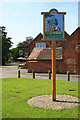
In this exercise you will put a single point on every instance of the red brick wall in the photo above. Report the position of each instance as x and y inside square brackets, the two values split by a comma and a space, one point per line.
[61, 66]
[39, 66]
[78, 64]
[45, 66]
[70, 54]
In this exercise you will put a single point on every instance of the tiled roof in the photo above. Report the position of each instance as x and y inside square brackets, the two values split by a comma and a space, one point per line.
[40, 54]
[44, 54]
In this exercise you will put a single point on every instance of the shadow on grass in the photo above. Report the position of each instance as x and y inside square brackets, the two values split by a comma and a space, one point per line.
[66, 101]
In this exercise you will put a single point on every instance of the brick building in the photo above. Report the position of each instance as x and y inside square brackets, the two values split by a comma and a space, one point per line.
[67, 54]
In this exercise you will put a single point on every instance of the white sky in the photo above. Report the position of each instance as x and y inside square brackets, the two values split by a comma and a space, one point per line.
[23, 19]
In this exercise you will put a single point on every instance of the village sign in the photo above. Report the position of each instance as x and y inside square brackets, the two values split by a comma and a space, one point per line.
[53, 30]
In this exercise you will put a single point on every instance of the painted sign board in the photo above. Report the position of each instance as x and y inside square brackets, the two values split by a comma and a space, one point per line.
[53, 25]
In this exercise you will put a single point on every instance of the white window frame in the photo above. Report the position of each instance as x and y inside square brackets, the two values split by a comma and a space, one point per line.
[40, 45]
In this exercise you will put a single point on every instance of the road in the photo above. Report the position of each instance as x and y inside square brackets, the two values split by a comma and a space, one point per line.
[11, 71]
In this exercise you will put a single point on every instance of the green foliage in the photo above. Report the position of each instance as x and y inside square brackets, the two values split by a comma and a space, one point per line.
[24, 46]
[27, 88]
[6, 44]
[14, 54]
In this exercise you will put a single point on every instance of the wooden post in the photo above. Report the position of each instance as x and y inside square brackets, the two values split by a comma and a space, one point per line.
[53, 70]
[43, 26]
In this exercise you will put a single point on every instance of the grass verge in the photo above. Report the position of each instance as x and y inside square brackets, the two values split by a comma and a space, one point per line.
[21, 89]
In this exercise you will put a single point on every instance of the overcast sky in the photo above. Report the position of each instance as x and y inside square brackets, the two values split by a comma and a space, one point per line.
[24, 19]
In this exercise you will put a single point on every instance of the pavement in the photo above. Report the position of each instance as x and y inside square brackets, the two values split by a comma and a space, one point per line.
[62, 101]
[11, 71]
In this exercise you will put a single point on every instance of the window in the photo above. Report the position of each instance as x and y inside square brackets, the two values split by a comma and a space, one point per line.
[36, 45]
[44, 45]
[41, 45]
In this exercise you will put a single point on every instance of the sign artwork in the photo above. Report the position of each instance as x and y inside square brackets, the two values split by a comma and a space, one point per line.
[53, 25]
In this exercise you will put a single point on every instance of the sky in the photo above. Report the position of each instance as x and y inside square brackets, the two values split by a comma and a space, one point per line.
[24, 19]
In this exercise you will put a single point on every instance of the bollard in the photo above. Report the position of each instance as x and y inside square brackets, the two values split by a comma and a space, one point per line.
[68, 76]
[33, 74]
[49, 72]
[18, 73]
[25, 66]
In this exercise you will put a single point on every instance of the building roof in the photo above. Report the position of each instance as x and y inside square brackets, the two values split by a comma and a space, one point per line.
[44, 54]
[39, 35]
[40, 54]
[77, 30]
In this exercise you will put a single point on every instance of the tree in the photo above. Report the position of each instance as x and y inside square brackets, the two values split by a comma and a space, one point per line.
[24, 46]
[6, 44]
[14, 54]
[29, 39]
[26, 42]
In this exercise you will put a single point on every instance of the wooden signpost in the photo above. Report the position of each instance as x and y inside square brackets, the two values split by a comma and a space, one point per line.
[53, 30]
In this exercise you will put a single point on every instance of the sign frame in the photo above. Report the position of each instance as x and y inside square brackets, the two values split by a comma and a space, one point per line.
[44, 13]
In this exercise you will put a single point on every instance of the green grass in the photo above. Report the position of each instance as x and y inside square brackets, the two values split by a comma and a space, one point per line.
[18, 107]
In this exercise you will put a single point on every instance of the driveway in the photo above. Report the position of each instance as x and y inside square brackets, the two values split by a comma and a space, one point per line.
[11, 71]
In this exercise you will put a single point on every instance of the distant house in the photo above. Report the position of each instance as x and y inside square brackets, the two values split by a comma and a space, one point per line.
[67, 54]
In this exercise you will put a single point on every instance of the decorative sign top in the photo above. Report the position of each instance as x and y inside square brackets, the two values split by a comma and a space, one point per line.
[53, 25]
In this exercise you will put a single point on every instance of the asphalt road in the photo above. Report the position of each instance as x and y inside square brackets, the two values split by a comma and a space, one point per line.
[11, 71]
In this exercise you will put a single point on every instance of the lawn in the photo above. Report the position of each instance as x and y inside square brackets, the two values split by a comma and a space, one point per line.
[24, 88]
